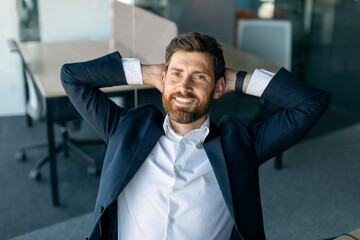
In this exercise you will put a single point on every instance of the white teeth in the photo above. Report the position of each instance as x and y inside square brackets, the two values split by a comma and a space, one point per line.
[183, 100]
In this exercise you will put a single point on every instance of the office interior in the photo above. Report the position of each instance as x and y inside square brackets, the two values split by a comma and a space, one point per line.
[314, 195]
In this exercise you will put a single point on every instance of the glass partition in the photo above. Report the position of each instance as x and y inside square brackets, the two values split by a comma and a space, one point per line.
[27, 11]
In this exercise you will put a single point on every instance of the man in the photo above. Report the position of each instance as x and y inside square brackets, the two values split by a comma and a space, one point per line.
[182, 176]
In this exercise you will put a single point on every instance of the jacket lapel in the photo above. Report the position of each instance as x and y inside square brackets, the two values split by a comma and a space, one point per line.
[212, 146]
[148, 142]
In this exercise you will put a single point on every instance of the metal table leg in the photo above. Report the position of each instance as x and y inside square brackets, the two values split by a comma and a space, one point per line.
[52, 156]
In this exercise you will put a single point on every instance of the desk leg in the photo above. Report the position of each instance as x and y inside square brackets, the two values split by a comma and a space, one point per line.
[52, 157]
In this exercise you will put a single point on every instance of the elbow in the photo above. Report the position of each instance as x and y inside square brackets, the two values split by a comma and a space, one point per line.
[320, 104]
[63, 73]
[69, 75]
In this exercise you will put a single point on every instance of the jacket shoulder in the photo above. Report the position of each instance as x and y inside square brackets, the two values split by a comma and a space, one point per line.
[145, 111]
[230, 123]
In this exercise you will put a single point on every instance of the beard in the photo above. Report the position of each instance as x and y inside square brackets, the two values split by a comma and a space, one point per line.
[184, 115]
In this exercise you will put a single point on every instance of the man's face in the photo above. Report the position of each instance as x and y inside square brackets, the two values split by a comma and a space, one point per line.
[188, 86]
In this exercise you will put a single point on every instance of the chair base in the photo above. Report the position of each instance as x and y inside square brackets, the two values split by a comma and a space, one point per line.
[65, 146]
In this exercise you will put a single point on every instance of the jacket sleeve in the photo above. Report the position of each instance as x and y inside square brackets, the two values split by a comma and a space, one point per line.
[82, 81]
[303, 106]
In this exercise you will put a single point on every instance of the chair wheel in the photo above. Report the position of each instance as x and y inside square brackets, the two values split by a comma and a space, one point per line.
[20, 156]
[35, 174]
[93, 170]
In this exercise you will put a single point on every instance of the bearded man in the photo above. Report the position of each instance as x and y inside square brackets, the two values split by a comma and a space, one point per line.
[182, 176]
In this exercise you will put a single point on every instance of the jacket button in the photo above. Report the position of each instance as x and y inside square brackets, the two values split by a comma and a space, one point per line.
[101, 209]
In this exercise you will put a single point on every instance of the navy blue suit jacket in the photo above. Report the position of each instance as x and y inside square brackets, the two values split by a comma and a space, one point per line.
[234, 150]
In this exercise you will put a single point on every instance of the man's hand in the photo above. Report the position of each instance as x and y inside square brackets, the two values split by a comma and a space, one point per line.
[230, 78]
[152, 75]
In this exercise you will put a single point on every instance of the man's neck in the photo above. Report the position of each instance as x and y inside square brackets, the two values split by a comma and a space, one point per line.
[184, 129]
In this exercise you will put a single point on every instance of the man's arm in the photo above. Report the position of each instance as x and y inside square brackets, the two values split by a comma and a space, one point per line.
[81, 82]
[303, 105]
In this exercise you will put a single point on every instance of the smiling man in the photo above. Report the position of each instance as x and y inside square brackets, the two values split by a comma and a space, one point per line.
[188, 88]
[181, 176]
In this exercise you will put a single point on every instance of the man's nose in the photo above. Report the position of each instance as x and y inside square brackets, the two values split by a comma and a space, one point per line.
[186, 84]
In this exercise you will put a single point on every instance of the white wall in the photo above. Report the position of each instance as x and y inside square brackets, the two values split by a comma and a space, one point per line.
[74, 20]
[11, 85]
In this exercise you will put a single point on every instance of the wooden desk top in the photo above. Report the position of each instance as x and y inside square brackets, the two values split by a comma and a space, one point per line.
[45, 61]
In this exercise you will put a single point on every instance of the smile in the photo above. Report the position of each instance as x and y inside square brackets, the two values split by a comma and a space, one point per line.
[184, 100]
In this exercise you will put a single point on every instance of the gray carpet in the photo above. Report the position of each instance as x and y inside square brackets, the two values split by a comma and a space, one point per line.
[73, 229]
[25, 205]
[317, 194]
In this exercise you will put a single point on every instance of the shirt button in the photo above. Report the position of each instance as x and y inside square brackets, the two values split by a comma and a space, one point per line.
[179, 166]
[175, 189]
[171, 220]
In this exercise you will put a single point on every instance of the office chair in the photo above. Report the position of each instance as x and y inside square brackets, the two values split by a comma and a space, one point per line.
[270, 40]
[266, 39]
[67, 118]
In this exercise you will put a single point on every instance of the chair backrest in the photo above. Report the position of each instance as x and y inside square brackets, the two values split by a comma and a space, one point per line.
[35, 105]
[62, 109]
[149, 33]
[267, 39]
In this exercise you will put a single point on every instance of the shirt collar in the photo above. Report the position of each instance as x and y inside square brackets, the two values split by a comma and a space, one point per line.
[197, 135]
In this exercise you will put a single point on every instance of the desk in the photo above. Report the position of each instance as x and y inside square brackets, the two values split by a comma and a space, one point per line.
[44, 60]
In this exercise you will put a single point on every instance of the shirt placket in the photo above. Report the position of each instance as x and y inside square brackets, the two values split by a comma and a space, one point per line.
[176, 188]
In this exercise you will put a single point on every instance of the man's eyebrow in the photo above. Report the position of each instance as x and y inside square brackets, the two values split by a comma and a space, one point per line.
[176, 69]
[181, 70]
[200, 72]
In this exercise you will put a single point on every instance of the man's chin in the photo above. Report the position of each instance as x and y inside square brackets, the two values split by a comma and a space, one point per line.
[184, 118]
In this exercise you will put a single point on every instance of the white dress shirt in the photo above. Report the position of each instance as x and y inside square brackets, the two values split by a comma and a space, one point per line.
[175, 194]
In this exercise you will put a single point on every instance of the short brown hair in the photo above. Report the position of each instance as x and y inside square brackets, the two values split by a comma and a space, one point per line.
[198, 42]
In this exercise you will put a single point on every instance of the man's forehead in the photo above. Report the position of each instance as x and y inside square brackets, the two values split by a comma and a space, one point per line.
[199, 61]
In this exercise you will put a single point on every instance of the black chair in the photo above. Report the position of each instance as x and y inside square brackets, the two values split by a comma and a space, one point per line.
[64, 115]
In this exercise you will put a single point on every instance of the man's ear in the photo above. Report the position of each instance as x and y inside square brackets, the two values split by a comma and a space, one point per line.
[163, 79]
[219, 88]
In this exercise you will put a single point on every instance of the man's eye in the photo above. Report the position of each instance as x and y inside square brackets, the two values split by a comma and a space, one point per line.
[176, 74]
[199, 77]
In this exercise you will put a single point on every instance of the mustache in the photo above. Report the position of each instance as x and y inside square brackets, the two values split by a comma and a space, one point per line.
[180, 95]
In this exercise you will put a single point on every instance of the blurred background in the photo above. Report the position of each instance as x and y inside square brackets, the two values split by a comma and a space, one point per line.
[316, 193]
